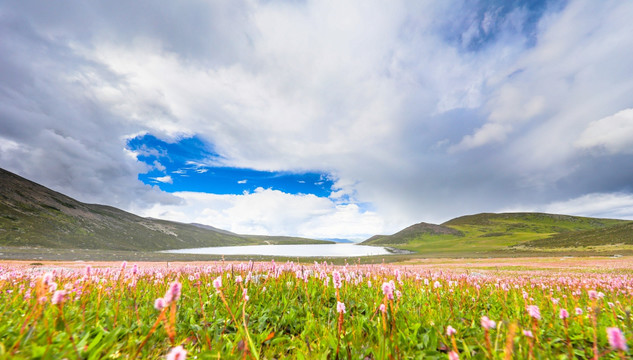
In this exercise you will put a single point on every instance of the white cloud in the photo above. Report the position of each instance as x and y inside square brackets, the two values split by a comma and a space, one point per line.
[242, 181]
[164, 179]
[613, 133]
[272, 212]
[611, 205]
[158, 166]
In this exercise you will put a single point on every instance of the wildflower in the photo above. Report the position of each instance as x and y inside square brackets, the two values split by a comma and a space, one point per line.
[340, 307]
[593, 294]
[238, 279]
[528, 333]
[564, 314]
[383, 308]
[58, 297]
[336, 279]
[534, 312]
[578, 311]
[173, 293]
[177, 353]
[387, 289]
[616, 339]
[160, 304]
[245, 295]
[488, 324]
[453, 355]
[217, 283]
[437, 285]
[450, 331]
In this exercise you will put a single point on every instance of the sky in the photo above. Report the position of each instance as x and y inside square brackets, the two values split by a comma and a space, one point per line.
[323, 119]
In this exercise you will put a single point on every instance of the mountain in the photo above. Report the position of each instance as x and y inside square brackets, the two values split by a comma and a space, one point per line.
[34, 216]
[412, 233]
[487, 232]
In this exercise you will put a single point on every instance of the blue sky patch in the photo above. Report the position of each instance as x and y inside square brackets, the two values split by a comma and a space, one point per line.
[181, 166]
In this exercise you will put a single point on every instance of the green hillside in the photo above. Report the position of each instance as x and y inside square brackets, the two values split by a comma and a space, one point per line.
[34, 216]
[488, 232]
[617, 235]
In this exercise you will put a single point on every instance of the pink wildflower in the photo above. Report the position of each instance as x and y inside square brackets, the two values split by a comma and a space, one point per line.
[177, 353]
[336, 279]
[534, 312]
[528, 333]
[453, 355]
[616, 339]
[58, 297]
[173, 293]
[488, 324]
[217, 283]
[578, 311]
[340, 307]
[160, 304]
[387, 289]
[564, 314]
[593, 294]
[450, 331]
[383, 308]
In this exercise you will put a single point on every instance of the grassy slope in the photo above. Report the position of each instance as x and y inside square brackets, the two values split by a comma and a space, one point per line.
[32, 215]
[621, 234]
[483, 233]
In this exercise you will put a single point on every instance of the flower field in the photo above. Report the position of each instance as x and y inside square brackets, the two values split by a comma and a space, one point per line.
[312, 311]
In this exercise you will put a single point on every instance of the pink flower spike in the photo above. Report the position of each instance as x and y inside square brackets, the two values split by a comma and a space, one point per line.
[578, 311]
[528, 333]
[177, 353]
[340, 307]
[173, 293]
[453, 355]
[159, 304]
[450, 331]
[564, 314]
[488, 324]
[593, 294]
[217, 283]
[616, 339]
[534, 312]
[383, 308]
[58, 297]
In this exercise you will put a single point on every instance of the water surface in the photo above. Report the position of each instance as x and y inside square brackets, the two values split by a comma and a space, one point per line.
[311, 250]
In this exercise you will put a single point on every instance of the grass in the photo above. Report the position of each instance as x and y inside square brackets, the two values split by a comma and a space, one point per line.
[292, 310]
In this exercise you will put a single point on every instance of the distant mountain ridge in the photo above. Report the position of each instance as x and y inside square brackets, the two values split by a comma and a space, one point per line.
[35, 216]
[487, 232]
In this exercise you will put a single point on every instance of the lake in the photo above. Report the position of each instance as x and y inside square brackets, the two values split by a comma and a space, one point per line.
[311, 250]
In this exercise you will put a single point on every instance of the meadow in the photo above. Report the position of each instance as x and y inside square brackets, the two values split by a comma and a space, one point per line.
[268, 310]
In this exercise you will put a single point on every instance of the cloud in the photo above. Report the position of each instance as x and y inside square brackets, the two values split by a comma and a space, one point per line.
[418, 110]
[164, 179]
[272, 212]
[611, 205]
[242, 181]
[613, 133]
